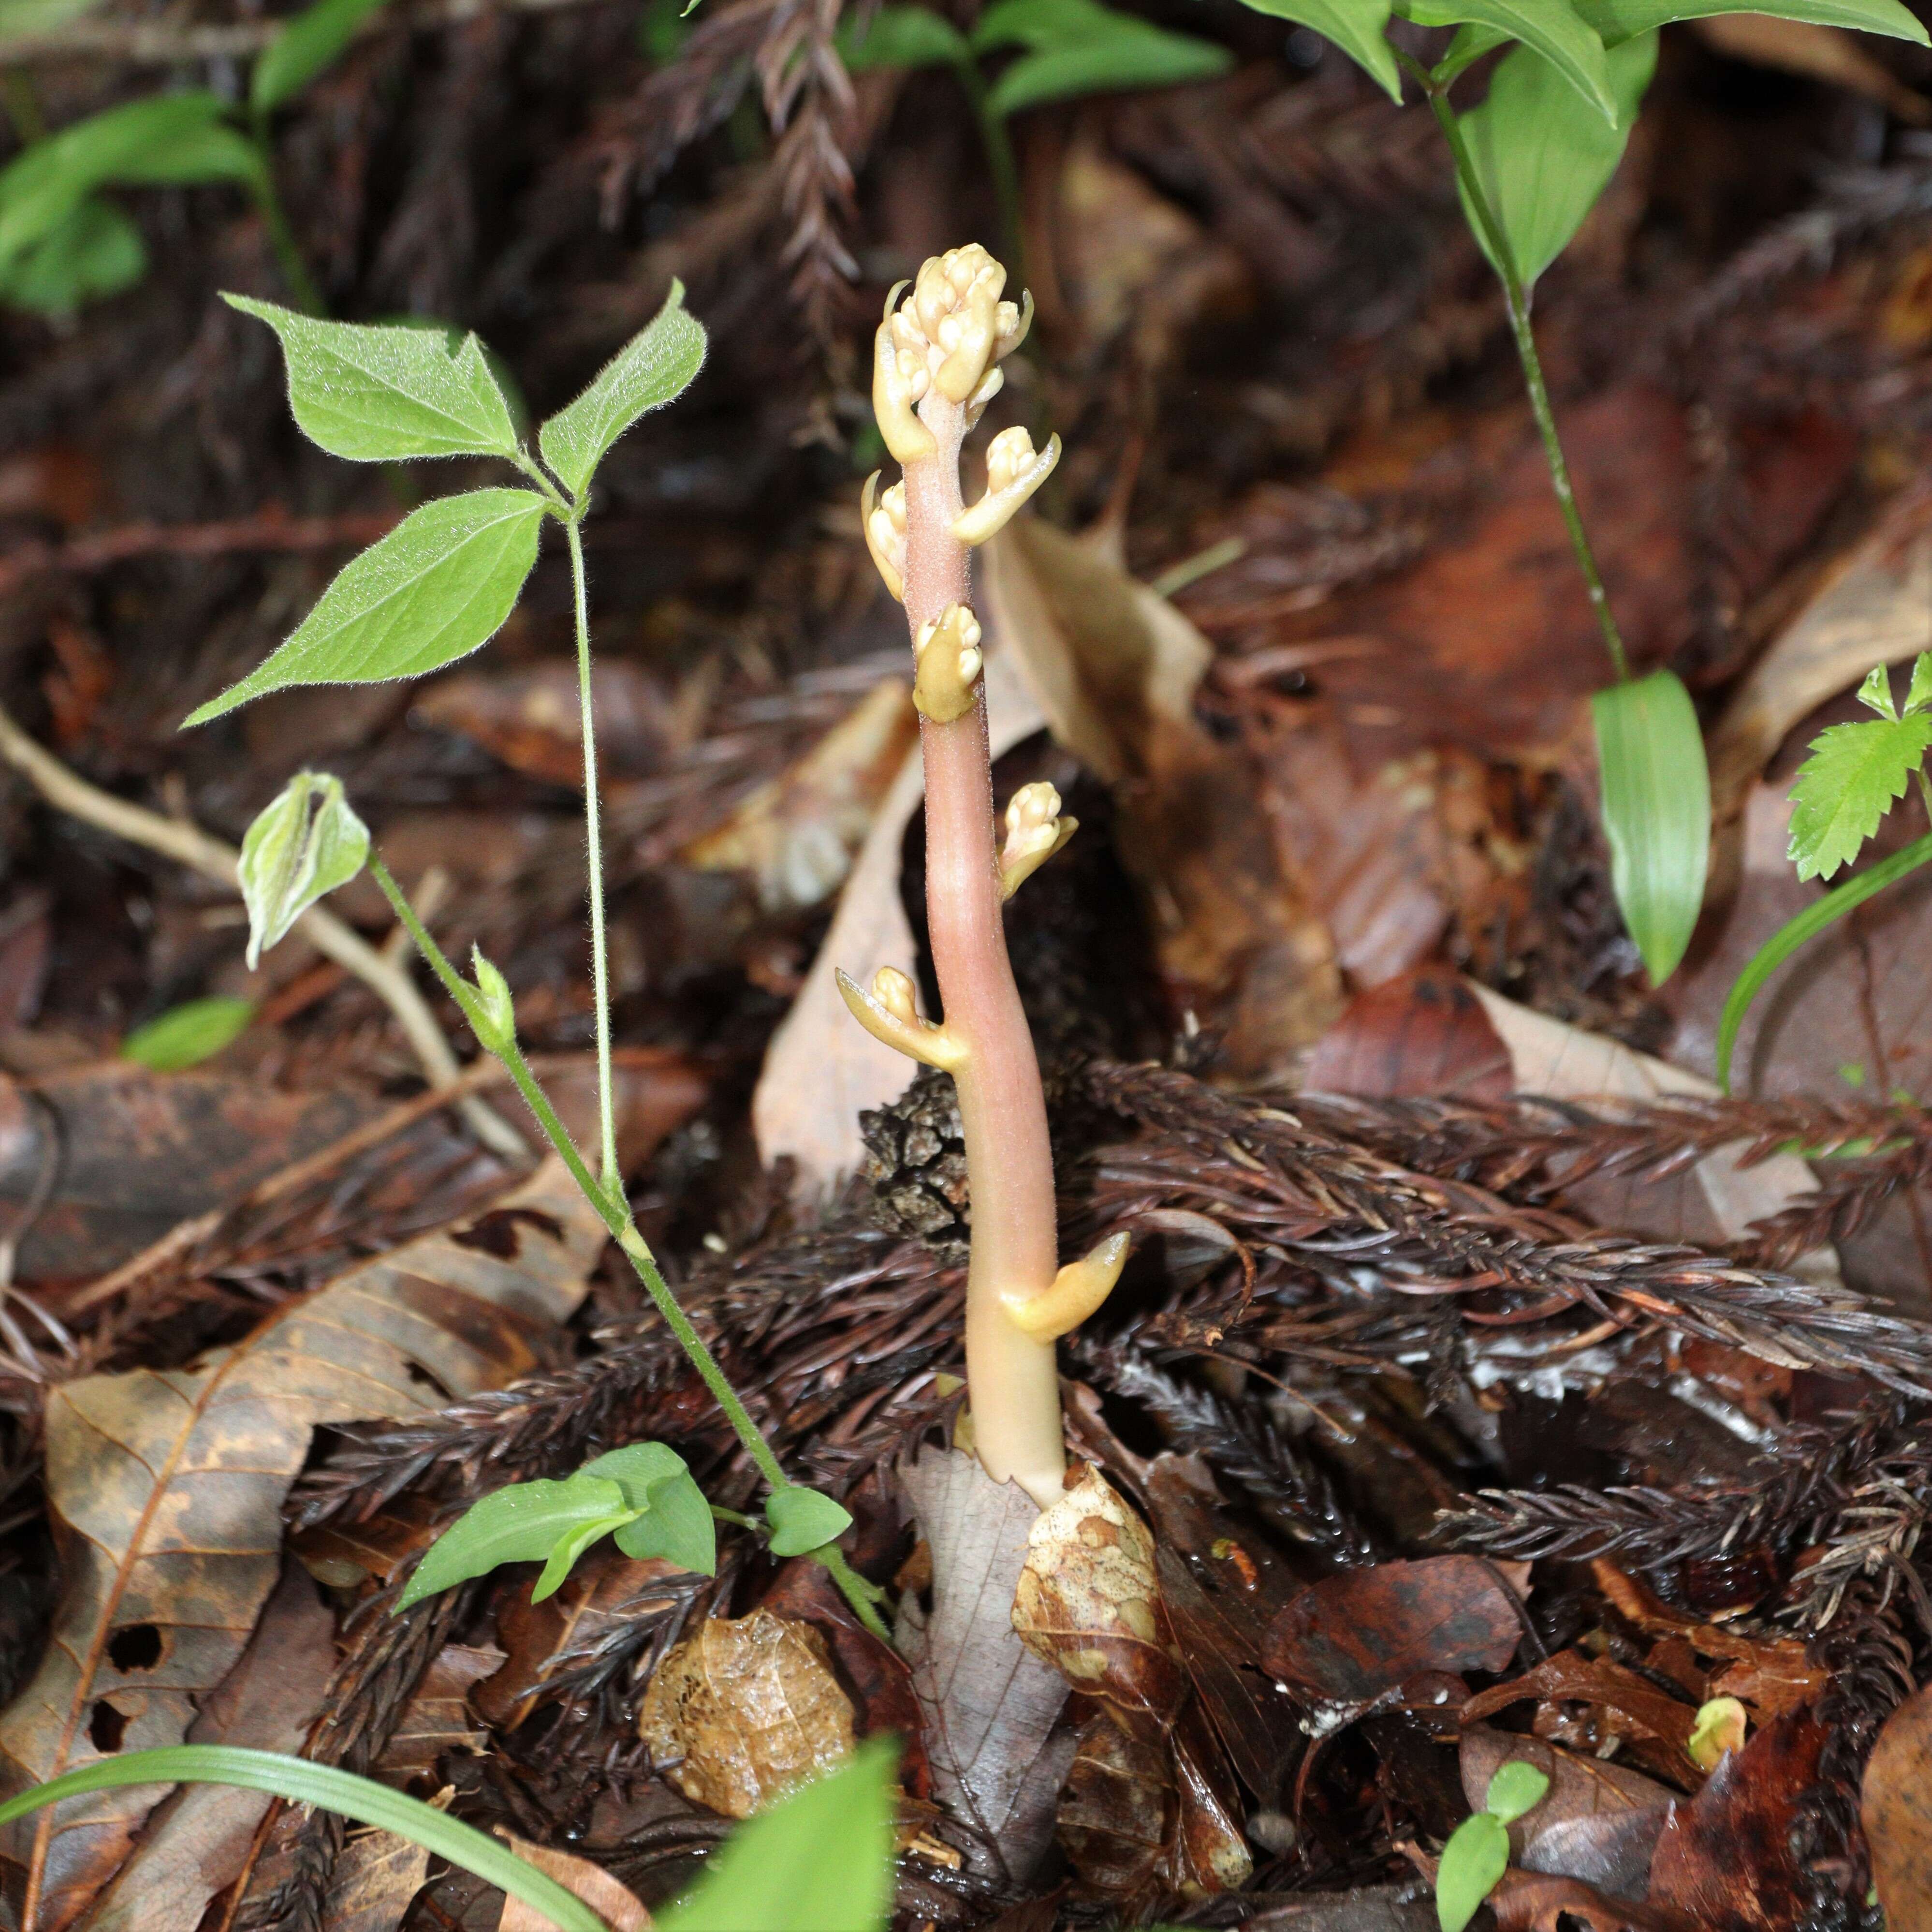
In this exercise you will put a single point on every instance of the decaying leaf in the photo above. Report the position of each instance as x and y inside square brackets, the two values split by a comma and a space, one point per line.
[1570, 1677]
[1532, 1902]
[1117, 1812]
[437, 1718]
[1896, 1811]
[1089, 1603]
[166, 1487]
[611, 1899]
[745, 1709]
[376, 1877]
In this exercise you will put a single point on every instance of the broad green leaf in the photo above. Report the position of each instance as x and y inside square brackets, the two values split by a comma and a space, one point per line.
[1517, 1788]
[678, 1526]
[521, 1523]
[1039, 23]
[1146, 56]
[301, 847]
[1476, 1856]
[570, 1546]
[1618, 20]
[187, 1035]
[208, 152]
[94, 252]
[904, 37]
[438, 586]
[818, 1861]
[1543, 156]
[1358, 27]
[1656, 812]
[637, 1469]
[378, 394]
[313, 41]
[1552, 27]
[1854, 775]
[41, 188]
[1795, 932]
[803, 1519]
[656, 366]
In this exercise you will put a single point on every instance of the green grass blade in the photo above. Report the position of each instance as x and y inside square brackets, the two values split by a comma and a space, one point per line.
[1795, 931]
[302, 1783]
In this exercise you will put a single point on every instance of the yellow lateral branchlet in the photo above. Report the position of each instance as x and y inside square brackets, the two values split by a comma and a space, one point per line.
[890, 1013]
[1078, 1290]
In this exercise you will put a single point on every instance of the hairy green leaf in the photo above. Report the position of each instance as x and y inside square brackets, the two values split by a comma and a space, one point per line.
[314, 40]
[1552, 27]
[1358, 27]
[1542, 155]
[93, 252]
[1796, 931]
[1851, 780]
[1476, 1856]
[301, 1782]
[300, 847]
[379, 394]
[903, 37]
[1656, 812]
[821, 1860]
[675, 1522]
[187, 1035]
[522, 1523]
[1517, 1788]
[1618, 20]
[656, 366]
[803, 1519]
[438, 586]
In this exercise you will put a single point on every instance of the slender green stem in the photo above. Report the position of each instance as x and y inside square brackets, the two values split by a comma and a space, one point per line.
[281, 235]
[1517, 298]
[863, 1597]
[1924, 792]
[593, 840]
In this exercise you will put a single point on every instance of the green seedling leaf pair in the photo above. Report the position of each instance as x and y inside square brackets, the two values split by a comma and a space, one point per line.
[644, 1495]
[440, 585]
[1477, 1853]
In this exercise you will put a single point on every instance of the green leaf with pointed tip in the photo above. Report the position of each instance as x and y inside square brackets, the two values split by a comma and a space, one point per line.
[438, 586]
[378, 394]
[1875, 693]
[1120, 62]
[904, 38]
[1854, 775]
[1358, 27]
[1920, 693]
[1618, 20]
[314, 40]
[1476, 1856]
[94, 252]
[521, 1523]
[187, 1035]
[1656, 812]
[656, 366]
[212, 150]
[300, 847]
[804, 1519]
[1517, 1788]
[1553, 27]
[570, 1546]
[1542, 155]
[819, 1860]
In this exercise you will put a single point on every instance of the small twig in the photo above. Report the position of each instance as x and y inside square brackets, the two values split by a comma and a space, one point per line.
[272, 530]
[190, 845]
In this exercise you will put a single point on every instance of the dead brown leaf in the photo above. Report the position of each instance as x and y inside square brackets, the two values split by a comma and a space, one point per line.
[1533, 1902]
[437, 1717]
[1117, 1811]
[375, 1879]
[530, 717]
[612, 1901]
[743, 1709]
[1570, 1677]
[1896, 1811]
[1422, 1032]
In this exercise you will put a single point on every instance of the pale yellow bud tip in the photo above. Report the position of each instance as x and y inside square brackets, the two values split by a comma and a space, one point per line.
[949, 659]
[890, 1013]
[883, 518]
[1014, 471]
[1035, 831]
[1078, 1290]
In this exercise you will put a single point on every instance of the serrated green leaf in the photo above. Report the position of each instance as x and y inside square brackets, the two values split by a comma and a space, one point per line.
[804, 1519]
[656, 366]
[1796, 931]
[1358, 27]
[300, 847]
[1656, 812]
[1117, 65]
[570, 1546]
[438, 586]
[379, 394]
[1542, 155]
[678, 1527]
[187, 1035]
[1616, 20]
[818, 1861]
[1517, 1788]
[94, 252]
[904, 37]
[1553, 27]
[1920, 693]
[313, 41]
[522, 1523]
[1855, 774]
[1476, 1856]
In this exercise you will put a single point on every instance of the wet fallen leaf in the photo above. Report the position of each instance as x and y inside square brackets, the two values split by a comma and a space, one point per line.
[1210, 1852]
[1571, 1676]
[376, 1878]
[611, 1899]
[1117, 1812]
[146, 1468]
[437, 1717]
[1580, 1788]
[1895, 1810]
[745, 1709]
[1726, 1860]
[1348, 1638]
[1422, 1032]
[1532, 1902]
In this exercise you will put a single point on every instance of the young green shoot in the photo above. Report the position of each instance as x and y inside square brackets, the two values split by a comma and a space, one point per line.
[1476, 1855]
